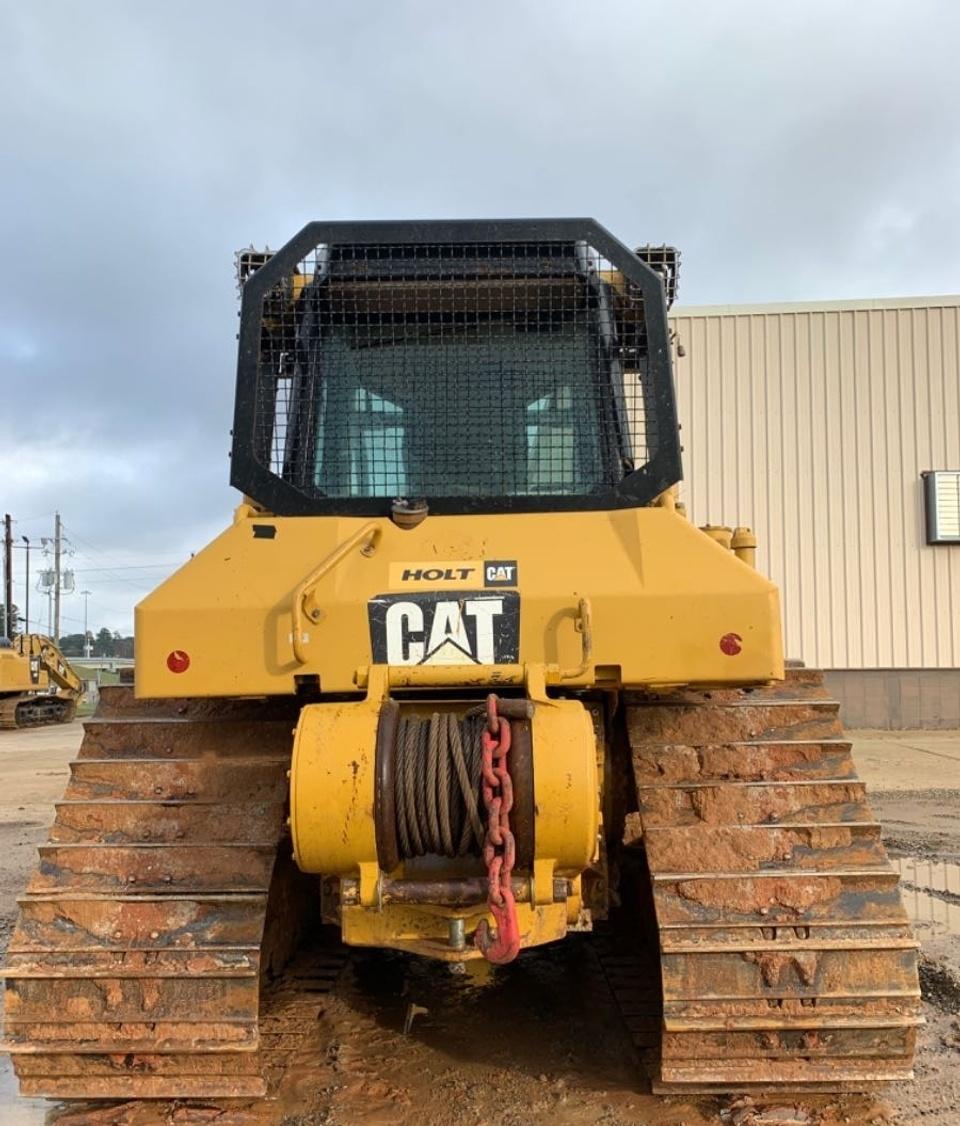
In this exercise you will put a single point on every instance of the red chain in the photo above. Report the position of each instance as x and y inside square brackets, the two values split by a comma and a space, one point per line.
[499, 846]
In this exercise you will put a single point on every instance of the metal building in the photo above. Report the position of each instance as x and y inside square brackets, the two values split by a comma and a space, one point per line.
[815, 424]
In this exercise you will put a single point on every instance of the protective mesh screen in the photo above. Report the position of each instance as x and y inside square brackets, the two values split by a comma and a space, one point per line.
[453, 370]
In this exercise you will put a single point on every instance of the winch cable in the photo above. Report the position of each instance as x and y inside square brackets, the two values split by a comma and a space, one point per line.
[438, 779]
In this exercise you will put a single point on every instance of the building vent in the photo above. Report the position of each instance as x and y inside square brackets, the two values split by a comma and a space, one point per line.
[941, 490]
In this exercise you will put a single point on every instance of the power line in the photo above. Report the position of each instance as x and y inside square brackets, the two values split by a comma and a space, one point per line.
[124, 567]
[137, 578]
[70, 618]
[94, 553]
[99, 551]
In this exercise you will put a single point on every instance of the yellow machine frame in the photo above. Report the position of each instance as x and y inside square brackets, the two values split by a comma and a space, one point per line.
[34, 664]
[608, 601]
[253, 612]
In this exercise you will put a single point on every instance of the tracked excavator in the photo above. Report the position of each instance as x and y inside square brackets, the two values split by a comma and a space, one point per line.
[463, 653]
[38, 685]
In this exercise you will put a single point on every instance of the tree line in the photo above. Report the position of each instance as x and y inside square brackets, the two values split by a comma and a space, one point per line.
[103, 643]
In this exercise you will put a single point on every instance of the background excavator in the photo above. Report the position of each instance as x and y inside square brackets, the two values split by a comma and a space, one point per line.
[38, 685]
[527, 695]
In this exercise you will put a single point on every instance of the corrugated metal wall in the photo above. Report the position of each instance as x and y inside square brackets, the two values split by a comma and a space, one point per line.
[812, 424]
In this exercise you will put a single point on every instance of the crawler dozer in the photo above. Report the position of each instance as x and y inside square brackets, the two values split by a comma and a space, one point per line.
[38, 685]
[462, 652]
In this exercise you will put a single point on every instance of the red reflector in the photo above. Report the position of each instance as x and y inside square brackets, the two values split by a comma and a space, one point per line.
[178, 661]
[730, 644]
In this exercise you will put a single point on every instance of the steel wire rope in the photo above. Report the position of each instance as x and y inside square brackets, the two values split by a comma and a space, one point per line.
[437, 781]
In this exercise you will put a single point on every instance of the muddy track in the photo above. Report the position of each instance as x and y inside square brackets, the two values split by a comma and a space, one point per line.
[136, 963]
[352, 1062]
[786, 956]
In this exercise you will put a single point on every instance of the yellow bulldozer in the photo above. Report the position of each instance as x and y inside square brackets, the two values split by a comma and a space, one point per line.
[38, 685]
[463, 654]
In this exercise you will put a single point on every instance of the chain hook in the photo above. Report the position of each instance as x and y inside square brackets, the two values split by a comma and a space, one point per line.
[505, 945]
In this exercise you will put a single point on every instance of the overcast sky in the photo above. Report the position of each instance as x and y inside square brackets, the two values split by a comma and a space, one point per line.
[793, 150]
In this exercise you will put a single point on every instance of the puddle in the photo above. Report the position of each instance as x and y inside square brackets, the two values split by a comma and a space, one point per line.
[931, 893]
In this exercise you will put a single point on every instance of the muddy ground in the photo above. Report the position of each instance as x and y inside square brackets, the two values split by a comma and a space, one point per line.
[540, 1041]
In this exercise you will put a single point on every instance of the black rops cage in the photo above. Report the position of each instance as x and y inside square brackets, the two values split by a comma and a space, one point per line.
[516, 366]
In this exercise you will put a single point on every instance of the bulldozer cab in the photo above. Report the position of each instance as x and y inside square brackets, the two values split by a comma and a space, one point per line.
[511, 366]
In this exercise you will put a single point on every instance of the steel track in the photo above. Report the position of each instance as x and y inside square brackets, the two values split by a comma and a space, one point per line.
[136, 966]
[786, 956]
[35, 710]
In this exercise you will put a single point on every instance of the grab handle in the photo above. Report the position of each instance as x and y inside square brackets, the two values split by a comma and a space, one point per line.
[367, 536]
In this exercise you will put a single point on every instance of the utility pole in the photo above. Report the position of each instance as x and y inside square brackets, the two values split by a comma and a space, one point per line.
[57, 534]
[26, 606]
[86, 632]
[8, 575]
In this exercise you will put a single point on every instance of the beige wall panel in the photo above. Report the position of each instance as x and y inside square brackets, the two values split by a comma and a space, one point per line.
[812, 424]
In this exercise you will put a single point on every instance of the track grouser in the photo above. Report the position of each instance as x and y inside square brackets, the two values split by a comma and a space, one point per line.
[526, 695]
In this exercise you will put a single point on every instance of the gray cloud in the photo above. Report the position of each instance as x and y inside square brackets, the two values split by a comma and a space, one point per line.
[796, 150]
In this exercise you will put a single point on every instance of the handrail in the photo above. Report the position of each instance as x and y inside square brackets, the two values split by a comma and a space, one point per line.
[585, 628]
[370, 532]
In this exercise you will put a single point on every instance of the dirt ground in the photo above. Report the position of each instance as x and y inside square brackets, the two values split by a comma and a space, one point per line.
[542, 1040]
